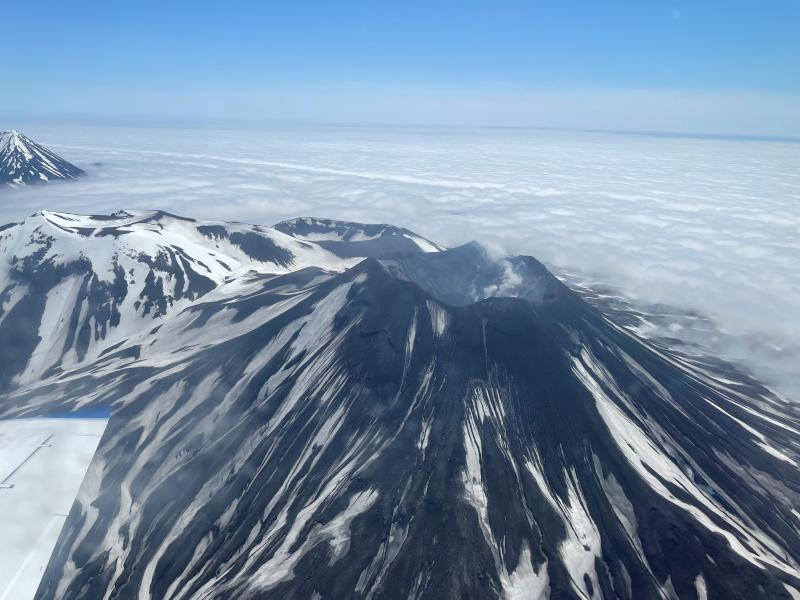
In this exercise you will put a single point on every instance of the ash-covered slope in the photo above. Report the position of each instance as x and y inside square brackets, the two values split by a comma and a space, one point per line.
[351, 433]
[24, 162]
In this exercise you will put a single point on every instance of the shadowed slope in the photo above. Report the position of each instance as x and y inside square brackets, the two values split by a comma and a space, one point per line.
[375, 432]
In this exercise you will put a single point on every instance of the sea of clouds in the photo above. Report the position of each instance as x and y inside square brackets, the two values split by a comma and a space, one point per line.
[709, 225]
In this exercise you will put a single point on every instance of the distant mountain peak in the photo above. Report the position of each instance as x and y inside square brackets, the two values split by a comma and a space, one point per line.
[24, 162]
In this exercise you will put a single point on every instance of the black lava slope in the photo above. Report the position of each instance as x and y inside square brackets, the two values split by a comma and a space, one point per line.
[428, 425]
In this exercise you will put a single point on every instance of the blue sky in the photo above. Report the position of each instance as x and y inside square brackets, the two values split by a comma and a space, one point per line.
[701, 66]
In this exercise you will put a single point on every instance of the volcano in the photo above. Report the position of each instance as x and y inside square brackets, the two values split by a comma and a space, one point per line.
[24, 162]
[331, 410]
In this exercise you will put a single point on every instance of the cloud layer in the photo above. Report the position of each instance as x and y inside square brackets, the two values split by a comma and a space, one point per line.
[709, 225]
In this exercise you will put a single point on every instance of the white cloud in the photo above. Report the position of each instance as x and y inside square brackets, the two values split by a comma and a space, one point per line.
[711, 225]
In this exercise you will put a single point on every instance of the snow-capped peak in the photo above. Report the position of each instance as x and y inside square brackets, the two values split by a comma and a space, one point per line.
[24, 162]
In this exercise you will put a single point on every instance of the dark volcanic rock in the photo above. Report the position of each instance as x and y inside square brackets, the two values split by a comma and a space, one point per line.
[431, 425]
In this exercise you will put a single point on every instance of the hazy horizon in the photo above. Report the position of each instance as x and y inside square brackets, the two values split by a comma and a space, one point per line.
[719, 68]
[20, 123]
